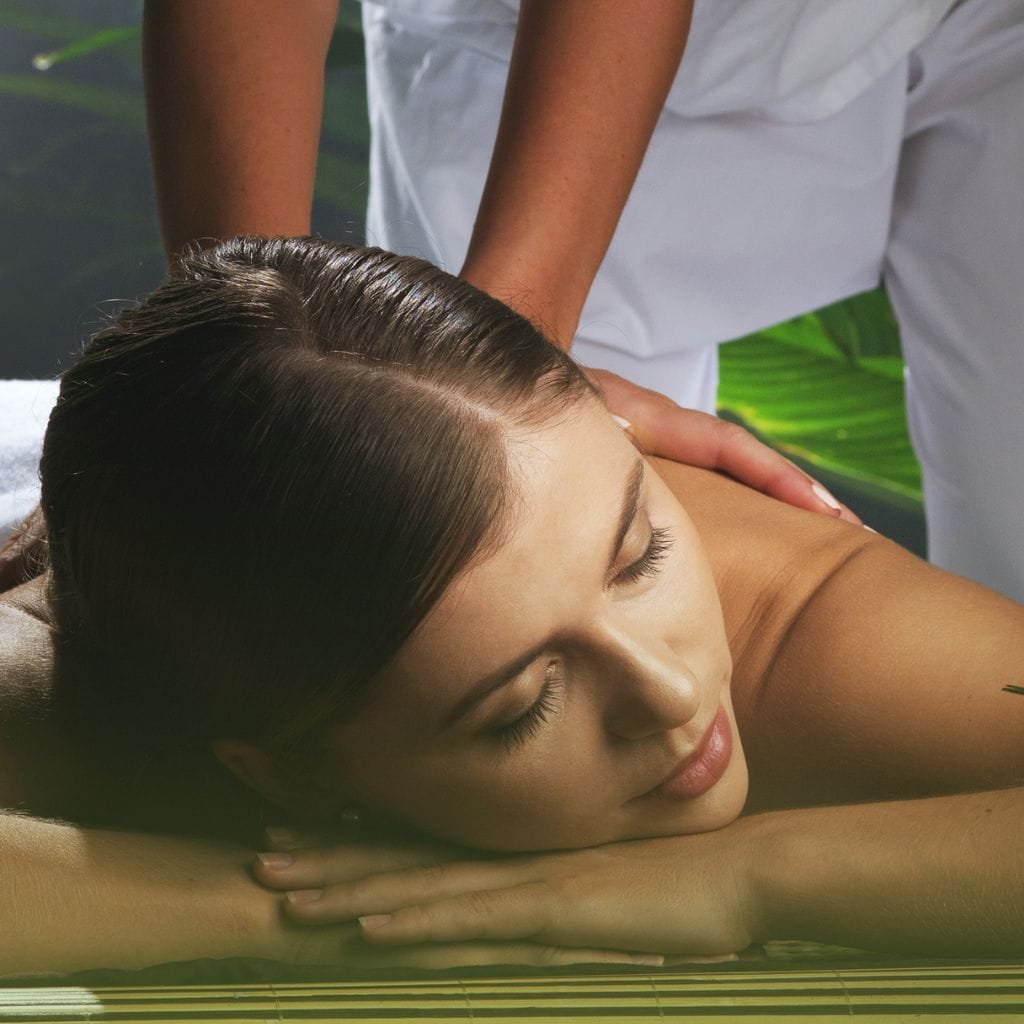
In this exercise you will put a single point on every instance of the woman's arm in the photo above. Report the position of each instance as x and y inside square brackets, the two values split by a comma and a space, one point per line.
[941, 876]
[78, 898]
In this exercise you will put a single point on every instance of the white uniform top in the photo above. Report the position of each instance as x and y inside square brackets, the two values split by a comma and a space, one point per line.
[765, 192]
[785, 59]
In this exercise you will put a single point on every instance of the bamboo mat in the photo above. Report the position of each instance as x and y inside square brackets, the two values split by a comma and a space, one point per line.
[795, 983]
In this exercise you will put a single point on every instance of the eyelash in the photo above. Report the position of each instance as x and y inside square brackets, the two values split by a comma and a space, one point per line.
[650, 561]
[528, 724]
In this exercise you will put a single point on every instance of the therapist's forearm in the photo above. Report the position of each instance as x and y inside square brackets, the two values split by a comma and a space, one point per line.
[234, 93]
[586, 85]
[942, 876]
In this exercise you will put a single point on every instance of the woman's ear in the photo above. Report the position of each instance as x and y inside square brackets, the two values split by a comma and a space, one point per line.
[280, 783]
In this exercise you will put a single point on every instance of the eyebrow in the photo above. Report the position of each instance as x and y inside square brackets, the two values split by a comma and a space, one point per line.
[501, 676]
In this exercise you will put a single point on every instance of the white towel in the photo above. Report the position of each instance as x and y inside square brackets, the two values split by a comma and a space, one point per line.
[24, 409]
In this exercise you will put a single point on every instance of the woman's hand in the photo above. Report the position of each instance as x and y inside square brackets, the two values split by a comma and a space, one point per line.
[685, 895]
[343, 944]
[661, 427]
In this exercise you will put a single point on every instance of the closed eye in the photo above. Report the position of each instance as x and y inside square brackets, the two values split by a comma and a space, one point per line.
[650, 561]
[527, 724]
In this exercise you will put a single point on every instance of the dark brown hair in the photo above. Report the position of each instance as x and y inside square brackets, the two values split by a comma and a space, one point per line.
[257, 482]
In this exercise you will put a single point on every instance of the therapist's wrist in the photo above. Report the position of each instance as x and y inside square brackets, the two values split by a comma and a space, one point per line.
[551, 304]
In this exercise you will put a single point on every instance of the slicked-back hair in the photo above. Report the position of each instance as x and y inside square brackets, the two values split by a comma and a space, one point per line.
[258, 481]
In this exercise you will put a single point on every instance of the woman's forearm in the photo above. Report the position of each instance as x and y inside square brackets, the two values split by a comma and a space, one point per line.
[941, 876]
[234, 93]
[77, 898]
[586, 85]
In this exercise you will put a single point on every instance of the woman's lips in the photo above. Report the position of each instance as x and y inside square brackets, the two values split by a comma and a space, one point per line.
[702, 769]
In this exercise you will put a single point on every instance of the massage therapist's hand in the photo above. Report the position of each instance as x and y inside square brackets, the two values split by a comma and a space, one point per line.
[661, 427]
[686, 895]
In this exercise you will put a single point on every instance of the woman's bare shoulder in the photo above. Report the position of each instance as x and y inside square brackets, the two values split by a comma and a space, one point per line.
[768, 559]
[862, 672]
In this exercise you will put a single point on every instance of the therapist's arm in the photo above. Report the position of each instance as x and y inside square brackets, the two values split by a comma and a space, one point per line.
[586, 85]
[234, 93]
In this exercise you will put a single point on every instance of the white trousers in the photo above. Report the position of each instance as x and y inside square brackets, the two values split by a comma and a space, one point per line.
[738, 221]
[954, 270]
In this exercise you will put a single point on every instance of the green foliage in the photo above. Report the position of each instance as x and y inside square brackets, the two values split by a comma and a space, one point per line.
[828, 387]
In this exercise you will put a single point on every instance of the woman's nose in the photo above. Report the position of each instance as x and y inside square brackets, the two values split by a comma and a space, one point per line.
[650, 687]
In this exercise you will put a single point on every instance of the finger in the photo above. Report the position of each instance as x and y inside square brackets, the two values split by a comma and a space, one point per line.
[700, 439]
[661, 427]
[514, 913]
[394, 891]
[317, 867]
[492, 954]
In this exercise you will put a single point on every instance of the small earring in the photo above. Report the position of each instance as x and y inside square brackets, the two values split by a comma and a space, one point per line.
[350, 816]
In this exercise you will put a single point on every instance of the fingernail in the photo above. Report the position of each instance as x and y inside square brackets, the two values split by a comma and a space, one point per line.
[866, 527]
[304, 895]
[275, 860]
[371, 921]
[625, 424]
[648, 960]
[827, 498]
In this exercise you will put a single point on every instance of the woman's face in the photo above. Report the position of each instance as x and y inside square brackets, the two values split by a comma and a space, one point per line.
[552, 696]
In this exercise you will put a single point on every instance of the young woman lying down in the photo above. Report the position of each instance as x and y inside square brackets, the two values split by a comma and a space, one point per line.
[333, 533]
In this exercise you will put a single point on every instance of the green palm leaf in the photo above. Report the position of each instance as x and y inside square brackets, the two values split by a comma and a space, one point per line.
[827, 388]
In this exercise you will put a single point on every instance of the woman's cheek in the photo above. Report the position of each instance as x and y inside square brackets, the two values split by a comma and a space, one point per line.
[534, 798]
